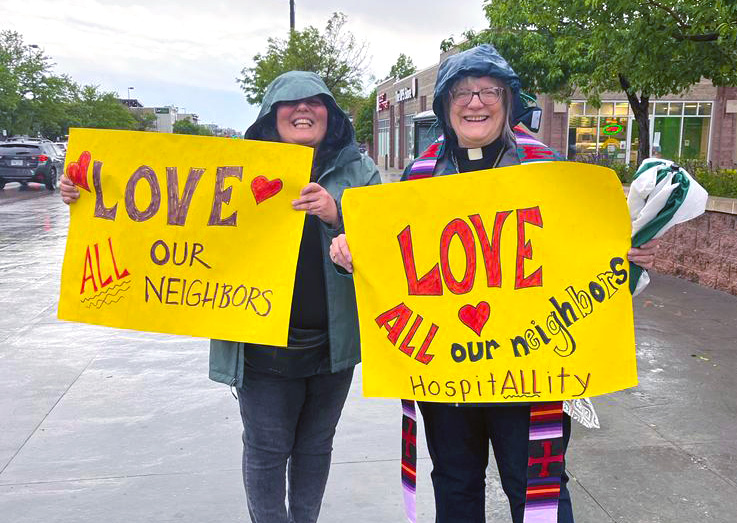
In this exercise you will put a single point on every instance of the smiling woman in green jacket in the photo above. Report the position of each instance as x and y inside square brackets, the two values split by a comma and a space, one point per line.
[291, 398]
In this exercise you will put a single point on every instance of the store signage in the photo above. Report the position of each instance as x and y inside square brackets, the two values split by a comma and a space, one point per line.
[161, 110]
[612, 129]
[382, 102]
[407, 93]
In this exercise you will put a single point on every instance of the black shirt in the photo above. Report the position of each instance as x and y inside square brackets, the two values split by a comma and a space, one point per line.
[492, 153]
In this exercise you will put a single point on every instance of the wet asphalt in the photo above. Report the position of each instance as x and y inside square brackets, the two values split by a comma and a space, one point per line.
[105, 425]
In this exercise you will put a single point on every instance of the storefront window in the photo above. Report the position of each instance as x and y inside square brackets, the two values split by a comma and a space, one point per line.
[666, 135]
[576, 109]
[675, 109]
[621, 109]
[581, 136]
[409, 136]
[383, 137]
[695, 143]
[606, 109]
[613, 139]
[690, 108]
[679, 129]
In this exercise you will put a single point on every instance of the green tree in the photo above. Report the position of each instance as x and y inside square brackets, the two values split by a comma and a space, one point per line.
[364, 120]
[402, 67]
[334, 54]
[189, 127]
[96, 109]
[647, 49]
[144, 121]
[35, 101]
[30, 96]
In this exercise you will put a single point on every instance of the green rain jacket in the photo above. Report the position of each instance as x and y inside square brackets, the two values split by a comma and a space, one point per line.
[343, 168]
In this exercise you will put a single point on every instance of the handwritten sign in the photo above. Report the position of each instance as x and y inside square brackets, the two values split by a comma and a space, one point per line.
[183, 234]
[494, 286]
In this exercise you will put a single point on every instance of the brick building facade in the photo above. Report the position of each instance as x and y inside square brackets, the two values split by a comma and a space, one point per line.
[701, 123]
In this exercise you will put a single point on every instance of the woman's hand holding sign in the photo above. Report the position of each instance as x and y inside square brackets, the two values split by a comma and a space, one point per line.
[314, 199]
[69, 192]
[644, 256]
[340, 253]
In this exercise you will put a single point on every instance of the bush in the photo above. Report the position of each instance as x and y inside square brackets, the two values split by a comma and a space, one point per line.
[717, 182]
[624, 172]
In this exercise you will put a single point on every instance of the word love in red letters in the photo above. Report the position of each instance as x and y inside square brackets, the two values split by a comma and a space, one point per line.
[431, 283]
[179, 201]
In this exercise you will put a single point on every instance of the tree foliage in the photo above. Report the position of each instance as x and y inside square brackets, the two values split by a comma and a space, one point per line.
[144, 121]
[34, 101]
[93, 108]
[404, 66]
[645, 48]
[364, 120]
[188, 127]
[334, 54]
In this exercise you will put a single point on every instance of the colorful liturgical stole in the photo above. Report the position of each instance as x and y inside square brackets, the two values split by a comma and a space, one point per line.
[545, 449]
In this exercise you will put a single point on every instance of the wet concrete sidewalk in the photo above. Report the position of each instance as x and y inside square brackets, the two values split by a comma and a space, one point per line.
[102, 425]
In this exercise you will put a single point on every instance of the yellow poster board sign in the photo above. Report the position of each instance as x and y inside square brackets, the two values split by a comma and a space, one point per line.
[494, 286]
[183, 234]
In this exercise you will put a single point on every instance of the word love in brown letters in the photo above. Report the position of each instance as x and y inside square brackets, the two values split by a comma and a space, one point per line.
[178, 202]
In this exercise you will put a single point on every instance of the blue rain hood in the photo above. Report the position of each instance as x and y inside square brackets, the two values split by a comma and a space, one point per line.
[483, 60]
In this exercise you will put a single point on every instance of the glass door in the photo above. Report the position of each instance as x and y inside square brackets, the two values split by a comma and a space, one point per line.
[613, 138]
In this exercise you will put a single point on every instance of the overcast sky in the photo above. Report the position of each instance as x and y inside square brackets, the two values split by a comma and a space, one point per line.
[187, 53]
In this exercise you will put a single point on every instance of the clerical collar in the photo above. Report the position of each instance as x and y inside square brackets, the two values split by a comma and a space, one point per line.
[475, 159]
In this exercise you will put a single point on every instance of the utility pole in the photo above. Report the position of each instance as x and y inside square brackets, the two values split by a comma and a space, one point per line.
[291, 15]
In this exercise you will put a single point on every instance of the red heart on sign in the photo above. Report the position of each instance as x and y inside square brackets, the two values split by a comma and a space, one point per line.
[263, 188]
[475, 317]
[77, 171]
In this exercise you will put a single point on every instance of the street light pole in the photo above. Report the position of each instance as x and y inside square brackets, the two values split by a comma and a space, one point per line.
[291, 15]
[129, 93]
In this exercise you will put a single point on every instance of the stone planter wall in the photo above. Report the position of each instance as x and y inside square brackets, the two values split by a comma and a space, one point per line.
[704, 250]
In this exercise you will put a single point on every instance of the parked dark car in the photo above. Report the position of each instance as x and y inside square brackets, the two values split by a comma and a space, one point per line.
[30, 161]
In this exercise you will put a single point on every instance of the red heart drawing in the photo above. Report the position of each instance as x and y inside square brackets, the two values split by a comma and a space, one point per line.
[475, 317]
[263, 189]
[77, 171]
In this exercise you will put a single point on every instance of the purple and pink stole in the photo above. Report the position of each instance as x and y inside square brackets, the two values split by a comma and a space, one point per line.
[545, 460]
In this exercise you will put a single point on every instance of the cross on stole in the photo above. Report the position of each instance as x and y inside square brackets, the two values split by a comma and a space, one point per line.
[546, 459]
[409, 437]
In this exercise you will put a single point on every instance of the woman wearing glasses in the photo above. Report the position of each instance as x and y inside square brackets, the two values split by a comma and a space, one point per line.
[477, 102]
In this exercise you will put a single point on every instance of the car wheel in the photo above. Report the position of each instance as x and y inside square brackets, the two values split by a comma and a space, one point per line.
[2, 183]
[50, 182]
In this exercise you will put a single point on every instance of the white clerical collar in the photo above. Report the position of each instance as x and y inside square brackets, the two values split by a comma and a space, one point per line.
[475, 154]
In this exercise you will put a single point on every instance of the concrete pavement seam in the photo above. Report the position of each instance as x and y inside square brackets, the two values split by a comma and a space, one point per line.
[124, 476]
[35, 429]
[573, 477]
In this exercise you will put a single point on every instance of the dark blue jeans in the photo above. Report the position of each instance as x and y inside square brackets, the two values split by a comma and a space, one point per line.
[458, 441]
[288, 429]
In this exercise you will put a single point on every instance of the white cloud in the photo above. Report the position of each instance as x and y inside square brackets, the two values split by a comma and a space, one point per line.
[204, 45]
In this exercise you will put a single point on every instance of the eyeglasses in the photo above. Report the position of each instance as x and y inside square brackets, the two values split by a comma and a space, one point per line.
[488, 96]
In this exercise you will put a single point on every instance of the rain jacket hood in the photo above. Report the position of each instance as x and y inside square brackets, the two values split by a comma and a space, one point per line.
[296, 85]
[483, 60]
